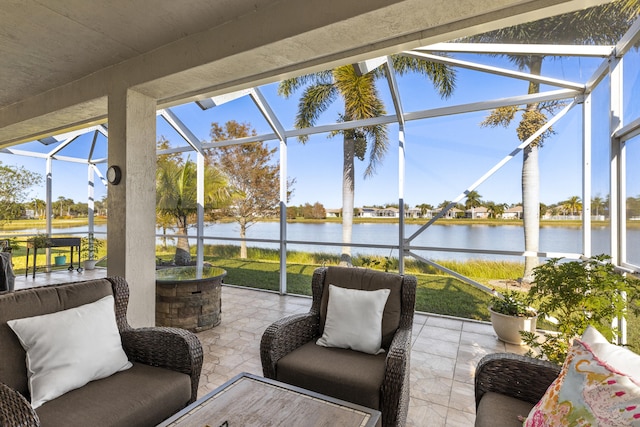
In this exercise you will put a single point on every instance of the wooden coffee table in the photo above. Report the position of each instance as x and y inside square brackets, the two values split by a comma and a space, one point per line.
[249, 400]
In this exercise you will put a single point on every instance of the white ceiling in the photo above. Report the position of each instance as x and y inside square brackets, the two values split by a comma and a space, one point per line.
[60, 59]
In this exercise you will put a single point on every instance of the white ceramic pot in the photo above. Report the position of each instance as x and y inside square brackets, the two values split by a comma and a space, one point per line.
[508, 327]
[89, 264]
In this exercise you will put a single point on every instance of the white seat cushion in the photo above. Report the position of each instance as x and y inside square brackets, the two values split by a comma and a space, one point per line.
[69, 348]
[354, 319]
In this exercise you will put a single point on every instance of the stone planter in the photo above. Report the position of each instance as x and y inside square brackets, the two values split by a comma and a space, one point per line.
[189, 299]
[508, 327]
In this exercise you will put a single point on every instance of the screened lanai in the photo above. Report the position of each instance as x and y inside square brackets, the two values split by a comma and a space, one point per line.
[418, 132]
[596, 97]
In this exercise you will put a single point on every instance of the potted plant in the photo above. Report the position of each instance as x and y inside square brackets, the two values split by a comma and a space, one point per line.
[510, 314]
[39, 241]
[578, 294]
[89, 247]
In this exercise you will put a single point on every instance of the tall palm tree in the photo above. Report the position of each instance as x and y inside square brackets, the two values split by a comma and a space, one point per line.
[361, 100]
[473, 201]
[603, 24]
[176, 189]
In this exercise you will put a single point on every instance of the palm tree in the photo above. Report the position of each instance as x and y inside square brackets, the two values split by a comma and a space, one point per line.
[473, 201]
[424, 209]
[574, 204]
[495, 210]
[361, 101]
[176, 188]
[601, 24]
[597, 203]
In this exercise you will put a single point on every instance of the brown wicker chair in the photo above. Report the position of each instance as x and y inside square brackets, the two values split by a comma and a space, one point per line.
[508, 385]
[289, 353]
[170, 348]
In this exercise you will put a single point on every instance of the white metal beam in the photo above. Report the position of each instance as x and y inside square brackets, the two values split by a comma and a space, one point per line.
[629, 131]
[182, 129]
[214, 101]
[630, 39]
[555, 95]
[363, 67]
[497, 70]
[268, 113]
[519, 49]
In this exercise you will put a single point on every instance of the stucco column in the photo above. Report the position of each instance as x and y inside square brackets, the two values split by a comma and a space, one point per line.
[131, 203]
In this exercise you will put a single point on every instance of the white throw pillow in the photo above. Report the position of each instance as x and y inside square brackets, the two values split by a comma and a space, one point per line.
[619, 358]
[69, 348]
[354, 319]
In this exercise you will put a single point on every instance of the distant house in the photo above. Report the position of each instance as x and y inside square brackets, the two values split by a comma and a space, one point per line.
[334, 213]
[512, 213]
[451, 213]
[475, 213]
[388, 213]
[415, 213]
[367, 212]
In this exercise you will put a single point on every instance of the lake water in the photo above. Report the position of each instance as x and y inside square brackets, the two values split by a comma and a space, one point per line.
[481, 237]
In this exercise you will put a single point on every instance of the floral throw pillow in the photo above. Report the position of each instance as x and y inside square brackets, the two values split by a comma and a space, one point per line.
[587, 392]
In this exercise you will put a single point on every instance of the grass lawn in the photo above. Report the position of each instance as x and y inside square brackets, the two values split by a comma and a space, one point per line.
[435, 293]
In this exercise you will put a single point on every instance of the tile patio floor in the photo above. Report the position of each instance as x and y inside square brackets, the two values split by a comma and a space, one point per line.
[444, 354]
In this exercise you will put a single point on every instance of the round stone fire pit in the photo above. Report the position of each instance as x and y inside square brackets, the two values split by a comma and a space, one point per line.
[188, 297]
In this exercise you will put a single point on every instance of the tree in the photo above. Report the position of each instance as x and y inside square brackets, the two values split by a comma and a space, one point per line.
[315, 211]
[601, 24]
[253, 178]
[597, 203]
[39, 206]
[424, 209]
[361, 100]
[573, 204]
[633, 207]
[472, 202]
[15, 183]
[176, 189]
[495, 210]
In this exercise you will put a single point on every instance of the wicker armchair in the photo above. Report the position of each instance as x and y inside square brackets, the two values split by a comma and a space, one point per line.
[170, 348]
[341, 372]
[508, 385]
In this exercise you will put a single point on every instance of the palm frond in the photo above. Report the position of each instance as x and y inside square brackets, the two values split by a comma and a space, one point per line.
[287, 87]
[442, 76]
[313, 102]
[603, 24]
[379, 139]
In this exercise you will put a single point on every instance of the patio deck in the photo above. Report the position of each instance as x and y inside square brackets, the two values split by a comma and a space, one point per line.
[444, 354]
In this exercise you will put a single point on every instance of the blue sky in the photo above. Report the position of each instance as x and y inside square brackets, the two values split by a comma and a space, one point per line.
[443, 155]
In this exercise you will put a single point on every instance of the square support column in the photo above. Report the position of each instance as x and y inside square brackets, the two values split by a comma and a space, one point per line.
[132, 202]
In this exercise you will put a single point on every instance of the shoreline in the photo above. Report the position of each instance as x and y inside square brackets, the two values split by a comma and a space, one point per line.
[77, 222]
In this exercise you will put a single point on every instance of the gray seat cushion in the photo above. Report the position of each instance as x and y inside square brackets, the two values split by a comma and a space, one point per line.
[497, 409]
[141, 396]
[344, 374]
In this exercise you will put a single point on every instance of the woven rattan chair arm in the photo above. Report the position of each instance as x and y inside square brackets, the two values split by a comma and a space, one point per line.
[170, 348]
[522, 377]
[15, 410]
[395, 387]
[284, 336]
